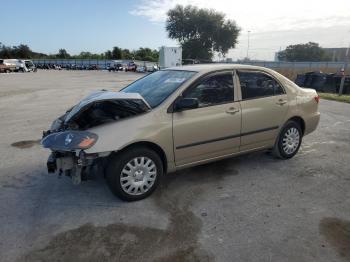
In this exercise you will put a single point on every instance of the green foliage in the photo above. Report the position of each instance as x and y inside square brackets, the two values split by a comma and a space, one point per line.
[194, 49]
[146, 54]
[108, 54]
[309, 52]
[23, 51]
[335, 97]
[62, 53]
[201, 32]
[126, 54]
[116, 53]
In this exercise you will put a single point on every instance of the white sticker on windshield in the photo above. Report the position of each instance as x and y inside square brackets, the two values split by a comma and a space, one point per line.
[174, 80]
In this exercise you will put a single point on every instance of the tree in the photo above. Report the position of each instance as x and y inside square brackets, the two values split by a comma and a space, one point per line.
[62, 53]
[22, 51]
[116, 53]
[193, 49]
[201, 32]
[108, 54]
[126, 54]
[147, 54]
[5, 51]
[309, 52]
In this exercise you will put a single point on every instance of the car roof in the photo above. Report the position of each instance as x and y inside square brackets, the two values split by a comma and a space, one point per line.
[203, 68]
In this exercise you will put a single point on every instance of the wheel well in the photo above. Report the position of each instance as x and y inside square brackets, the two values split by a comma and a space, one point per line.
[152, 146]
[300, 121]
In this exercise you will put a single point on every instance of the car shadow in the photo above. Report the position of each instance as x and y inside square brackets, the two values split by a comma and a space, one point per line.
[126, 231]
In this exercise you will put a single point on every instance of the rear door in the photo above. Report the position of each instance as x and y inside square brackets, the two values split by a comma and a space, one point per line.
[264, 107]
[213, 129]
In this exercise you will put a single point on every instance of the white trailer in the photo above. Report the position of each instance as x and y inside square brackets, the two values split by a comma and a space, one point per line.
[170, 56]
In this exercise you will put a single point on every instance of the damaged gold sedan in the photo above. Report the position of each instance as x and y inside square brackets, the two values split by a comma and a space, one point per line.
[177, 118]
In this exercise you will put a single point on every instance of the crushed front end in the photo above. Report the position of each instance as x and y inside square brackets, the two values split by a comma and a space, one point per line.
[69, 135]
[68, 156]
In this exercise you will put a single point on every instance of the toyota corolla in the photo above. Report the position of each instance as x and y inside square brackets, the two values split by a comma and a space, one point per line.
[177, 118]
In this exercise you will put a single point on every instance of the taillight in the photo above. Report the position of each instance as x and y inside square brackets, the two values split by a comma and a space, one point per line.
[317, 98]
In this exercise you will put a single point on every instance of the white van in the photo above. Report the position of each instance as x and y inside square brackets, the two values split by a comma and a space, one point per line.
[25, 65]
[21, 65]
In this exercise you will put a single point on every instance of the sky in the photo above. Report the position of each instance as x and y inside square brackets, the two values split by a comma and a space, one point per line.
[98, 25]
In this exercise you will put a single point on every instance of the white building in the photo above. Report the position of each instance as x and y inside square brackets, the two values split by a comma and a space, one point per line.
[170, 56]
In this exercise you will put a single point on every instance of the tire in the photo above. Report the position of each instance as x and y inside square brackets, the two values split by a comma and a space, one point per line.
[128, 171]
[288, 141]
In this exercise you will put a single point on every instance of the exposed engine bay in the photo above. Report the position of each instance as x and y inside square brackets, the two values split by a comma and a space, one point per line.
[68, 136]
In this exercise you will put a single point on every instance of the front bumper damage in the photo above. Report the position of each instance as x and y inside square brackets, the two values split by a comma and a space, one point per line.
[69, 135]
[67, 153]
[77, 166]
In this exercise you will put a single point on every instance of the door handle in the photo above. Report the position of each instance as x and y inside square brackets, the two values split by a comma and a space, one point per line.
[232, 110]
[281, 102]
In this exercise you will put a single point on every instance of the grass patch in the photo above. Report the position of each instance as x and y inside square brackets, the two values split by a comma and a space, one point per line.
[335, 97]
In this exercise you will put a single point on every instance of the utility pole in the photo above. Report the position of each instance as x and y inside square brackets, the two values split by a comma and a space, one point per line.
[248, 45]
[342, 82]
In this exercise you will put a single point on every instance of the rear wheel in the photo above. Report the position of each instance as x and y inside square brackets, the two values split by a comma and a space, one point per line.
[134, 174]
[288, 141]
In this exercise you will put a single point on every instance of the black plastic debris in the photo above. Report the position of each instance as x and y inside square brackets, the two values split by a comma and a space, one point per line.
[323, 82]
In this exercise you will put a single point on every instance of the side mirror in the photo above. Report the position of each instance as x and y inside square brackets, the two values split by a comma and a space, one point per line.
[185, 103]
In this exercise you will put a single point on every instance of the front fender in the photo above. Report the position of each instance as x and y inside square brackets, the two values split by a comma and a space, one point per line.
[154, 127]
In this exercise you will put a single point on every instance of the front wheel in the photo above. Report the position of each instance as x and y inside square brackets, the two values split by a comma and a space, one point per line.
[288, 141]
[134, 174]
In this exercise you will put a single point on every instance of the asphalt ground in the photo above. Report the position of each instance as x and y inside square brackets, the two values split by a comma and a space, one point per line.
[248, 208]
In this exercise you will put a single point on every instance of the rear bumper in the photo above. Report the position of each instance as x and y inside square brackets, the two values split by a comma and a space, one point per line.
[311, 123]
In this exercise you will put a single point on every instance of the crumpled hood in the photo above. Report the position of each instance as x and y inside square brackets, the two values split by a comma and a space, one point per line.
[98, 108]
[100, 96]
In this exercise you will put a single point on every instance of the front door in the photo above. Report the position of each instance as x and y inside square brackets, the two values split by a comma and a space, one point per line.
[212, 129]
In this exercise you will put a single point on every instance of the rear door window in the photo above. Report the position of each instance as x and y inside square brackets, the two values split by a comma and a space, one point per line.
[258, 84]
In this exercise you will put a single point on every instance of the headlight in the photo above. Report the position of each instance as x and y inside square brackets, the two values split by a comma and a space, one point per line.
[69, 140]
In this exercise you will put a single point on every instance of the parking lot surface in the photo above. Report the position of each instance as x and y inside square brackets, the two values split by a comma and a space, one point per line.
[249, 208]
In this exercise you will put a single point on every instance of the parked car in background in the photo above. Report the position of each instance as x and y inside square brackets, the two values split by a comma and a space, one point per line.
[93, 67]
[29, 65]
[57, 67]
[141, 69]
[115, 67]
[152, 68]
[21, 65]
[131, 66]
[178, 118]
[7, 66]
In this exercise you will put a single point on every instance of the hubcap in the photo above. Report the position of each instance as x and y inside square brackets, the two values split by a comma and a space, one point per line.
[291, 140]
[138, 175]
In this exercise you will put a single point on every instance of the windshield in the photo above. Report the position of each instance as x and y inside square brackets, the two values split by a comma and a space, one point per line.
[156, 87]
[28, 63]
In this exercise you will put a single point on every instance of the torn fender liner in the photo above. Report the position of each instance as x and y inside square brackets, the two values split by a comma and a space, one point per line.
[99, 108]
